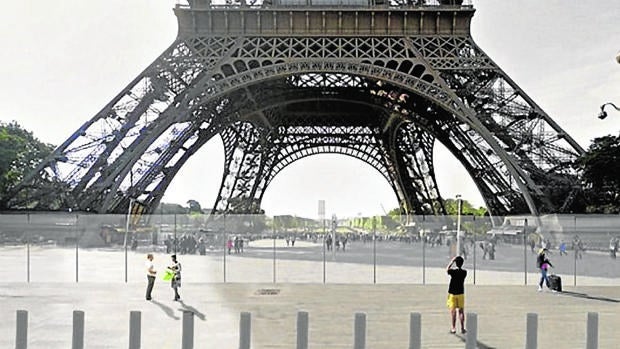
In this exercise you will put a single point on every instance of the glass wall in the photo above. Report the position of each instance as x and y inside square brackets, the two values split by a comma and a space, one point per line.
[80, 247]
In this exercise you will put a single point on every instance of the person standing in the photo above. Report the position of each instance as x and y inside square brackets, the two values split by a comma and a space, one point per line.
[613, 247]
[543, 264]
[150, 275]
[563, 248]
[456, 292]
[175, 283]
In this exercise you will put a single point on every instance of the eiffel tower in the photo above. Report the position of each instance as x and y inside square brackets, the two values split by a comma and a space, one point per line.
[381, 81]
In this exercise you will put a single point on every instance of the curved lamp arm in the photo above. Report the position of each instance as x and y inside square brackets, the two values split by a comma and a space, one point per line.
[603, 114]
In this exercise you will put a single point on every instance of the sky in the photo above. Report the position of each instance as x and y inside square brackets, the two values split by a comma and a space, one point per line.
[62, 61]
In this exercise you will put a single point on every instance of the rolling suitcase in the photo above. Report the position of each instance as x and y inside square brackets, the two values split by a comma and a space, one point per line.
[555, 282]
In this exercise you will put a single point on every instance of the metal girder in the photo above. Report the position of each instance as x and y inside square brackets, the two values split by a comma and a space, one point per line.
[277, 94]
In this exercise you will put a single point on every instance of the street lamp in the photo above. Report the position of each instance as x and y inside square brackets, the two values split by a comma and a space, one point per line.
[458, 225]
[603, 114]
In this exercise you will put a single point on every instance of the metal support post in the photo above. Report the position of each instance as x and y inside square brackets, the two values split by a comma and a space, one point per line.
[188, 330]
[471, 339]
[415, 331]
[360, 331]
[21, 333]
[245, 330]
[135, 328]
[592, 331]
[302, 330]
[77, 341]
[531, 336]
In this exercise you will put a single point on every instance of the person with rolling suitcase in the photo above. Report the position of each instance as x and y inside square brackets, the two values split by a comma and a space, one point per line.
[543, 264]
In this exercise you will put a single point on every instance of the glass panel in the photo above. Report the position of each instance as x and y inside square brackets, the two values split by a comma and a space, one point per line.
[16, 243]
[249, 249]
[52, 252]
[299, 249]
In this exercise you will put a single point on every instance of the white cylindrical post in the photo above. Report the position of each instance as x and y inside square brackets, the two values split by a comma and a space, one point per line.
[458, 226]
[415, 331]
[302, 330]
[531, 336]
[360, 331]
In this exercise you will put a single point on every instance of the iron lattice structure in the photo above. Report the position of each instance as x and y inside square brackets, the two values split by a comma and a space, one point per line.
[380, 82]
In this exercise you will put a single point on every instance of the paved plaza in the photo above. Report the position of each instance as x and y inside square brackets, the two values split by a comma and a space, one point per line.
[499, 298]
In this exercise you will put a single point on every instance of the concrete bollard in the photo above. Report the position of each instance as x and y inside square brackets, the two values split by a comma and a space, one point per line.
[188, 330]
[592, 331]
[531, 336]
[360, 331]
[415, 331]
[302, 330]
[245, 330]
[134, 329]
[471, 341]
[77, 341]
[21, 333]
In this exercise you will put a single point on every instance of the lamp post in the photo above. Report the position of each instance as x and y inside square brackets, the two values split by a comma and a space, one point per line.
[603, 114]
[458, 225]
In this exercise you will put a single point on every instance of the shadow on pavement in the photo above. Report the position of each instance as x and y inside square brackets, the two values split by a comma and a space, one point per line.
[587, 296]
[200, 315]
[479, 344]
[166, 309]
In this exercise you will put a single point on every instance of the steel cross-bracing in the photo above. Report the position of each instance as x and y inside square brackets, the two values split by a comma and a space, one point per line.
[381, 82]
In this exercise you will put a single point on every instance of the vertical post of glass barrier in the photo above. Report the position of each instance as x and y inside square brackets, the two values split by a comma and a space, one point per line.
[126, 233]
[322, 217]
[324, 247]
[28, 248]
[175, 241]
[77, 245]
[474, 252]
[525, 251]
[423, 236]
[274, 249]
[226, 239]
[374, 250]
[577, 251]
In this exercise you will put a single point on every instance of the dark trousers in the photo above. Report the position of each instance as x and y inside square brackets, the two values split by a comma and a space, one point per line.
[149, 287]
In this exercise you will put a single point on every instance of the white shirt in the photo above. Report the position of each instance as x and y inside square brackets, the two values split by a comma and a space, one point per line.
[150, 268]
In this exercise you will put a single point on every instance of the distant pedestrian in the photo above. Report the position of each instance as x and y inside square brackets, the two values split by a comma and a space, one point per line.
[563, 248]
[543, 264]
[229, 245]
[176, 279]
[613, 247]
[456, 293]
[150, 275]
[578, 247]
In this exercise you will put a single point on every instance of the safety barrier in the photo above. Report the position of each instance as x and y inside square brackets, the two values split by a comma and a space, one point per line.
[245, 330]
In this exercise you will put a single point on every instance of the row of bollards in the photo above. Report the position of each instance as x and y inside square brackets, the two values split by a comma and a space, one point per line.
[245, 330]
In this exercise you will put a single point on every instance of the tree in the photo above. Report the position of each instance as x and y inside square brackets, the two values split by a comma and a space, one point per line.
[466, 208]
[194, 206]
[600, 166]
[20, 153]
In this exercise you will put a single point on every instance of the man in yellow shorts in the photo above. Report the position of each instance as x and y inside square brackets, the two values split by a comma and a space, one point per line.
[456, 292]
